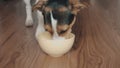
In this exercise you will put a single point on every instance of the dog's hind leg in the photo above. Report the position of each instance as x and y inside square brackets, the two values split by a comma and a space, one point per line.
[29, 19]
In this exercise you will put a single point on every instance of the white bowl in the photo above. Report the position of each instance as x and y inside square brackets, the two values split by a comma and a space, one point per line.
[55, 48]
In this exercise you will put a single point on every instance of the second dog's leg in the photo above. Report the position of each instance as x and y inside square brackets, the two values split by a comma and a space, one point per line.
[29, 19]
[40, 26]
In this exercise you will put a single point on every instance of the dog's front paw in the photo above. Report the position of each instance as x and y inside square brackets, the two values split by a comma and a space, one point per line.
[29, 22]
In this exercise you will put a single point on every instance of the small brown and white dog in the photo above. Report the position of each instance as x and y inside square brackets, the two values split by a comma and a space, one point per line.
[54, 16]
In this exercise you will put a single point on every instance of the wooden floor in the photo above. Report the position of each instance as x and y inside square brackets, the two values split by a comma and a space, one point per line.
[97, 43]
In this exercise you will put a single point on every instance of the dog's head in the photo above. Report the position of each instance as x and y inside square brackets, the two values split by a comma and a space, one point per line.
[63, 11]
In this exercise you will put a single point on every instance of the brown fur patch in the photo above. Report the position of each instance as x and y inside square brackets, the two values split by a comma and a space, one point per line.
[62, 9]
[48, 9]
[76, 6]
[39, 5]
[48, 28]
[66, 33]
[62, 28]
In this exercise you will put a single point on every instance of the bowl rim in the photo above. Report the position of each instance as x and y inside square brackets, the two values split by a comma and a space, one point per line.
[72, 37]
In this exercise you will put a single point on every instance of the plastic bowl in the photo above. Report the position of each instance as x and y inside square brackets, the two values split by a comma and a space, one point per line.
[55, 48]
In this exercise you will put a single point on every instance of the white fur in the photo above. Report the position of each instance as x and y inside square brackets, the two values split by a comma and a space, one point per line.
[54, 26]
[29, 19]
[40, 26]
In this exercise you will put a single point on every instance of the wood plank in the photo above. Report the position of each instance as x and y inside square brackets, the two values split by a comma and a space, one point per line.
[97, 43]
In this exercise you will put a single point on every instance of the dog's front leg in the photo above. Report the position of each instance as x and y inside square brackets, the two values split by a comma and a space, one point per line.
[29, 19]
[40, 26]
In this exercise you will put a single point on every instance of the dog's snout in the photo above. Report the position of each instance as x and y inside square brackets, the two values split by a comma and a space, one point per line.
[62, 29]
[62, 32]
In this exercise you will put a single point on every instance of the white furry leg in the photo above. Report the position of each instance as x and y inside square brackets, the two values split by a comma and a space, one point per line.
[29, 19]
[40, 27]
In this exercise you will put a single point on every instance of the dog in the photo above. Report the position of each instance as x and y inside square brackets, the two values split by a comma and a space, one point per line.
[55, 16]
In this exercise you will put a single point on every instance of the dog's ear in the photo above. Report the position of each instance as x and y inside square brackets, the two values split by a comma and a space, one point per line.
[39, 5]
[76, 6]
